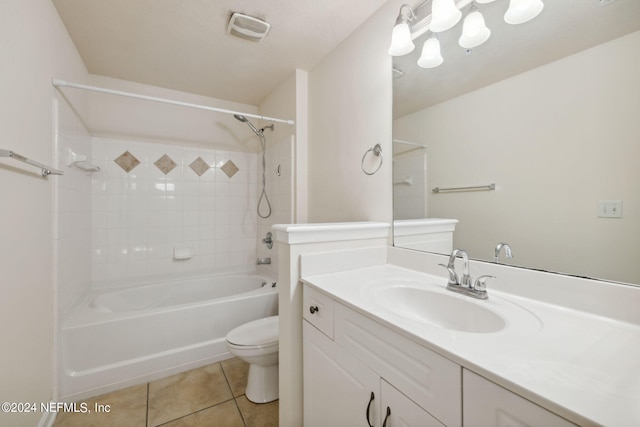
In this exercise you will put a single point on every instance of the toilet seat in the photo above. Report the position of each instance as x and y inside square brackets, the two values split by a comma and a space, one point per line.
[258, 333]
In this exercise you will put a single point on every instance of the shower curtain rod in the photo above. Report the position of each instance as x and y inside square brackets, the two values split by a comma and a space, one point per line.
[62, 83]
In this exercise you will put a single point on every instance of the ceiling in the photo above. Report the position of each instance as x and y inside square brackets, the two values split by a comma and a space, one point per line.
[183, 45]
[563, 27]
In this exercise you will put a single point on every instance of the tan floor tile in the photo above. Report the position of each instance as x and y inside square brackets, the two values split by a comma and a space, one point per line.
[258, 414]
[127, 407]
[223, 415]
[236, 371]
[181, 394]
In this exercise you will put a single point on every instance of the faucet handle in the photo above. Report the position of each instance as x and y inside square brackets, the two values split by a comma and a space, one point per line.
[480, 284]
[453, 276]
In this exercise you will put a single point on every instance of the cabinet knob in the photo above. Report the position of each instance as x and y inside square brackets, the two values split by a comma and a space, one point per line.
[314, 309]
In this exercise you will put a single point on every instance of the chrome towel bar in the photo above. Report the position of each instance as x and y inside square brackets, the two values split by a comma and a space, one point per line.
[489, 187]
[46, 170]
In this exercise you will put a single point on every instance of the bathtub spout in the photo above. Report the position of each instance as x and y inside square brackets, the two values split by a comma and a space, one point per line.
[263, 261]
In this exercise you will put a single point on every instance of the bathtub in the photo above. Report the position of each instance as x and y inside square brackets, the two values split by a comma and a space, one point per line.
[119, 337]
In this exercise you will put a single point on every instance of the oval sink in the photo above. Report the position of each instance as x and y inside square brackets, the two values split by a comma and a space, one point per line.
[438, 308]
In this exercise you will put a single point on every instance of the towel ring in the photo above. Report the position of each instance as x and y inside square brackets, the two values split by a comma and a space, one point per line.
[377, 151]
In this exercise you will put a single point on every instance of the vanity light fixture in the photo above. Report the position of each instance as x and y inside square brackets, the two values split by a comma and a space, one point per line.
[401, 42]
[431, 56]
[445, 14]
[521, 11]
[474, 29]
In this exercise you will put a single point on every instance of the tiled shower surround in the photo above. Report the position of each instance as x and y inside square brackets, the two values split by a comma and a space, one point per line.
[162, 204]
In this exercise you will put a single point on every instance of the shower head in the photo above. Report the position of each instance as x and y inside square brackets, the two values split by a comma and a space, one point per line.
[243, 119]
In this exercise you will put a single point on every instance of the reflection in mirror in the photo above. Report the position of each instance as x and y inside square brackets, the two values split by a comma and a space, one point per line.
[550, 115]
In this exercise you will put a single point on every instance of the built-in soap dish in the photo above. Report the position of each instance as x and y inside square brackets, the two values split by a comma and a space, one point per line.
[80, 161]
[182, 253]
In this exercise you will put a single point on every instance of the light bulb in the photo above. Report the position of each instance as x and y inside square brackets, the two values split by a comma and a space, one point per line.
[430, 56]
[444, 15]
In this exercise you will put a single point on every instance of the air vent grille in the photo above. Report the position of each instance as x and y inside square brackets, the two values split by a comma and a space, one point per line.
[247, 27]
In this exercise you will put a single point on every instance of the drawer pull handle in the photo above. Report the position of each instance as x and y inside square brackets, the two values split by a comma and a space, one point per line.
[314, 309]
[368, 408]
[384, 424]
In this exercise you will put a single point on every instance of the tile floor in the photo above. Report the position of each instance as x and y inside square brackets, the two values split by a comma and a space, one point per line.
[209, 396]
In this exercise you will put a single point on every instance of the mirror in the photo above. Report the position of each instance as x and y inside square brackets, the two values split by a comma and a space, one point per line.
[548, 111]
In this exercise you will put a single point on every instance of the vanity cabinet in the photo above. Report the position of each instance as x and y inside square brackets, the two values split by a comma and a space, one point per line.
[355, 368]
[339, 390]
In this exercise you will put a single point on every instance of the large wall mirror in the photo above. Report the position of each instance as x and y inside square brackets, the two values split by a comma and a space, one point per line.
[549, 112]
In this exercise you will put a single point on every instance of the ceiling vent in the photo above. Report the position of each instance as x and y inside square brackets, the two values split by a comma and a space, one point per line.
[247, 27]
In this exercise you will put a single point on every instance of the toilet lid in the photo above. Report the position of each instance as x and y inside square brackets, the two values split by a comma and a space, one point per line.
[258, 332]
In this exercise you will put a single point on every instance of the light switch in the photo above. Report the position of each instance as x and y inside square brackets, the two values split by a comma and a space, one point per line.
[610, 209]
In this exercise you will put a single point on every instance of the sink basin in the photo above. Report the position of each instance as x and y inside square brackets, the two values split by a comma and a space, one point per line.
[438, 308]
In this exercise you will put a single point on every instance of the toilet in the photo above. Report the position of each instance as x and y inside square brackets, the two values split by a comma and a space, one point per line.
[256, 343]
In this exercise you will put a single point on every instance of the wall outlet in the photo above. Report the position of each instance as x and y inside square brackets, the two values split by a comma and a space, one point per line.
[610, 209]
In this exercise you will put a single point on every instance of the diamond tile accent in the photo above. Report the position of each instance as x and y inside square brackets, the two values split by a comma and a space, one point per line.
[165, 164]
[229, 168]
[199, 166]
[127, 161]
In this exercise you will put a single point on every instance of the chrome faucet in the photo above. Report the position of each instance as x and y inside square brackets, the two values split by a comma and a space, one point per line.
[507, 251]
[466, 286]
[263, 261]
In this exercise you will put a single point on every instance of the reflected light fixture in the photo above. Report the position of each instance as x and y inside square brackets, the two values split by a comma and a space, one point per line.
[474, 30]
[431, 56]
[401, 42]
[445, 14]
[521, 11]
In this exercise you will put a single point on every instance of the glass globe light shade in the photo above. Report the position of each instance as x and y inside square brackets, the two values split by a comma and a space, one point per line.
[401, 42]
[521, 11]
[430, 56]
[444, 15]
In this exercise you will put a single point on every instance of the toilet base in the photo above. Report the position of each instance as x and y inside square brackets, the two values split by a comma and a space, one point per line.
[262, 383]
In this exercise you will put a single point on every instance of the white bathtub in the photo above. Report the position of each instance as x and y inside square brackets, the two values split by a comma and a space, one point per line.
[116, 338]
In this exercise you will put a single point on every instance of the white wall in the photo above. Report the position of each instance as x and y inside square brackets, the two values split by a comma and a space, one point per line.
[35, 48]
[349, 112]
[545, 138]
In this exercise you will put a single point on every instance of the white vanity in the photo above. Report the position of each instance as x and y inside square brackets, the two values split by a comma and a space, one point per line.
[386, 344]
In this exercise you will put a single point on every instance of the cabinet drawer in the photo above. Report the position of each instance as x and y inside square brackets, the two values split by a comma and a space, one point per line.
[317, 309]
[424, 376]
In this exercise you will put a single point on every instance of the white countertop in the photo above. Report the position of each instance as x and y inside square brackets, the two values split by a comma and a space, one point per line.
[583, 367]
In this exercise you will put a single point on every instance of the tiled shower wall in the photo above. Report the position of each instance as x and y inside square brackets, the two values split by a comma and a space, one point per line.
[165, 202]
[72, 209]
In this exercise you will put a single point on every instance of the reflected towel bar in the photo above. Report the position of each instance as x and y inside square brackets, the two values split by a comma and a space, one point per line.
[477, 187]
[46, 170]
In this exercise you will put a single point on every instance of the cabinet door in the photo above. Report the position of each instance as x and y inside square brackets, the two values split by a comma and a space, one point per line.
[337, 387]
[486, 404]
[397, 410]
